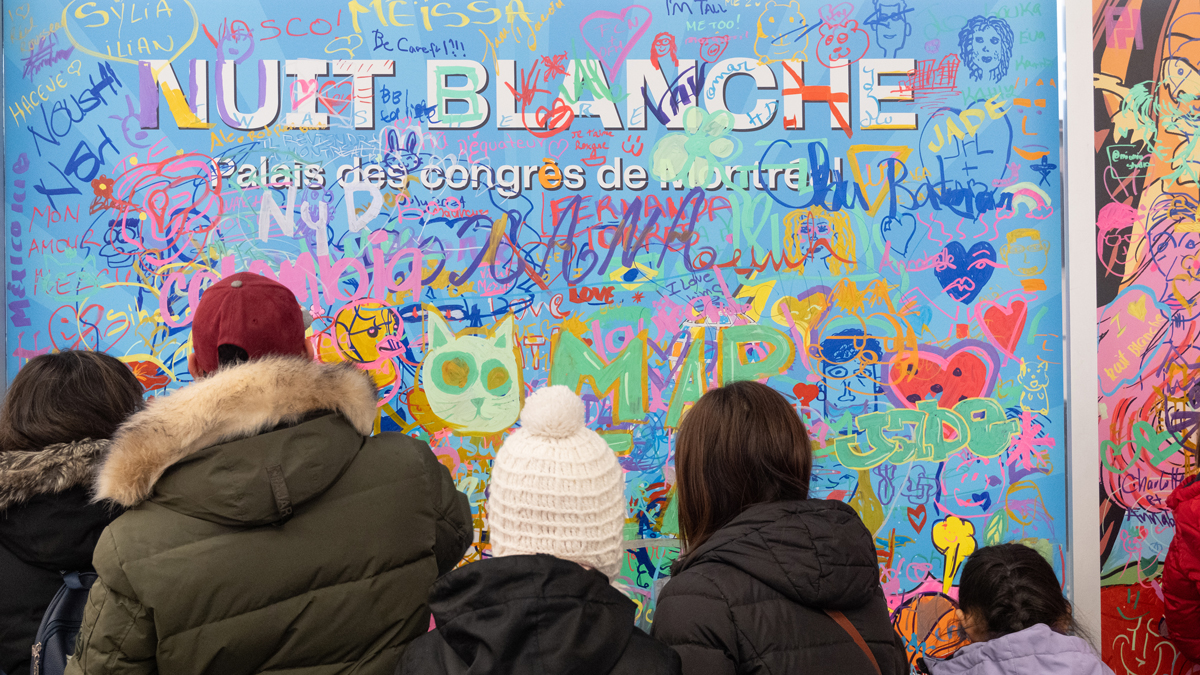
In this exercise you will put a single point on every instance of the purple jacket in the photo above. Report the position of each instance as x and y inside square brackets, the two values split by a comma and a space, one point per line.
[1037, 650]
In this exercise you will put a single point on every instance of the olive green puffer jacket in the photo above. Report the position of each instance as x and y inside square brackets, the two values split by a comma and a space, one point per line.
[302, 545]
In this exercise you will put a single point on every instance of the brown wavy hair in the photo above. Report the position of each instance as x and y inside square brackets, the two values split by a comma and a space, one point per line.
[66, 397]
[739, 445]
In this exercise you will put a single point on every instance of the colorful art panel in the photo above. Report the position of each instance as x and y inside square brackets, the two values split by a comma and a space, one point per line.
[1146, 233]
[857, 203]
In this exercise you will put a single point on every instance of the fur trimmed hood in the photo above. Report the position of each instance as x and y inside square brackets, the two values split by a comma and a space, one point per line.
[237, 402]
[25, 474]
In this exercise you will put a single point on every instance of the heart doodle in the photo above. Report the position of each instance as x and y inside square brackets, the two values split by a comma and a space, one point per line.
[924, 317]
[945, 376]
[899, 232]
[917, 517]
[302, 90]
[963, 273]
[983, 500]
[1004, 325]
[1137, 308]
[806, 393]
[614, 43]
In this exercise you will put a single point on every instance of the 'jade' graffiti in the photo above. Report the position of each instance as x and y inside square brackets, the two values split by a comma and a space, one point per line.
[929, 434]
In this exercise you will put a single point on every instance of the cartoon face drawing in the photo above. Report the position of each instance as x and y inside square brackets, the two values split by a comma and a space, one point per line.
[782, 33]
[367, 333]
[985, 46]
[472, 382]
[831, 480]
[1035, 378]
[815, 233]
[891, 25]
[841, 38]
[850, 373]
[970, 486]
[1169, 255]
[663, 47]
[1026, 253]
[1181, 89]
[237, 44]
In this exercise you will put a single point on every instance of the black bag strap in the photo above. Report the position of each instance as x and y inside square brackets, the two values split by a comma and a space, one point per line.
[858, 638]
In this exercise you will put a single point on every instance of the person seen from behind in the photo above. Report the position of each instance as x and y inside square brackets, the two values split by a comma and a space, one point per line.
[267, 530]
[59, 414]
[770, 581]
[544, 602]
[1012, 607]
[1181, 571]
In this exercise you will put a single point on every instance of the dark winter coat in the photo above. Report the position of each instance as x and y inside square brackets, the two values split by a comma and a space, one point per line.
[533, 615]
[269, 531]
[1181, 572]
[751, 599]
[47, 526]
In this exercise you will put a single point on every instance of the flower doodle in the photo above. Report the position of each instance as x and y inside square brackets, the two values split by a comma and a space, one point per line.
[699, 151]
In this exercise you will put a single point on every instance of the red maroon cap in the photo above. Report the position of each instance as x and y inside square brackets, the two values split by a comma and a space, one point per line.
[251, 311]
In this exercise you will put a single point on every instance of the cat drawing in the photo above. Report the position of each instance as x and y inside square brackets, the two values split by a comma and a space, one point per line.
[472, 382]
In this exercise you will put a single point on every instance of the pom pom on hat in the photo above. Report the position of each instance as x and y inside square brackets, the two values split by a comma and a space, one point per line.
[557, 487]
[553, 412]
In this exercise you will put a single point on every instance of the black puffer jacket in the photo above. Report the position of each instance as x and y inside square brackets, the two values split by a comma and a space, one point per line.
[533, 615]
[47, 526]
[751, 599]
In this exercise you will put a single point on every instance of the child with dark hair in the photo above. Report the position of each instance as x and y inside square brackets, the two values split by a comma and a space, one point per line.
[59, 414]
[1012, 607]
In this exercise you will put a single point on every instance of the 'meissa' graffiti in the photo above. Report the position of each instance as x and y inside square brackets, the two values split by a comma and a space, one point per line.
[857, 203]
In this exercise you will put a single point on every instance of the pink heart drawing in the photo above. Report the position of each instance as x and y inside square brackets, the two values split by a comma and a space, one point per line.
[614, 29]
[307, 89]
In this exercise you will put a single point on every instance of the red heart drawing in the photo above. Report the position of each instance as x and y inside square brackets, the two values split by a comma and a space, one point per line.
[948, 379]
[806, 393]
[609, 47]
[917, 517]
[1003, 325]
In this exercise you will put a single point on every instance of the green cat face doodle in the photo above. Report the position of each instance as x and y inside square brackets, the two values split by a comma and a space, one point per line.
[472, 382]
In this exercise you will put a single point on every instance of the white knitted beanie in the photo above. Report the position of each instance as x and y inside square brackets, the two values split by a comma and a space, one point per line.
[557, 487]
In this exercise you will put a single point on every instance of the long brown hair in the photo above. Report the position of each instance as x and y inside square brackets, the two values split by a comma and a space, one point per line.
[739, 445]
[65, 397]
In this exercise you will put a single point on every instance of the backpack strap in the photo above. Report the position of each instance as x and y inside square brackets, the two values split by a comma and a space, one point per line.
[77, 581]
[858, 638]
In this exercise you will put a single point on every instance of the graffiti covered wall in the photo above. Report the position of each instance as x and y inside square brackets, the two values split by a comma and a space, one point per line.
[856, 203]
[1146, 236]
